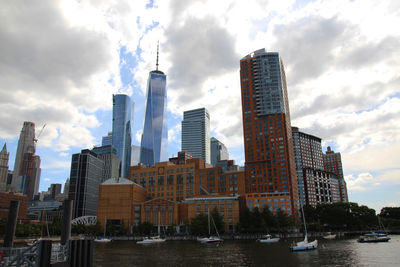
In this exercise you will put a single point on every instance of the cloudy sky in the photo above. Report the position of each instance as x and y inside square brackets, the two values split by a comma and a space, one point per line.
[61, 61]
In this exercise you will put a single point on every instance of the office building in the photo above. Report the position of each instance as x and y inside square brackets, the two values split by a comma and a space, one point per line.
[122, 131]
[218, 151]
[135, 155]
[4, 157]
[196, 133]
[107, 140]
[55, 190]
[333, 163]
[154, 143]
[85, 178]
[111, 162]
[26, 176]
[269, 157]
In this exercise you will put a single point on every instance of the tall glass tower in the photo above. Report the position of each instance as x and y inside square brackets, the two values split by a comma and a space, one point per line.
[122, 131]
[196, 133]
[154, 145]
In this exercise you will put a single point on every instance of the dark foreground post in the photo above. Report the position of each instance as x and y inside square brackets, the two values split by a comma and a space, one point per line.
[66, 224]
[45, 253]
[11, 224]
[81, 253]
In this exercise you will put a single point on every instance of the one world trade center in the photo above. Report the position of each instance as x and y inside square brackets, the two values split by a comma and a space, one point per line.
[154, 145]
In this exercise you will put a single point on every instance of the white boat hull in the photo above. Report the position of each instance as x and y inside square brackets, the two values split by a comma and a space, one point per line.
[303, 246]
[268, 240]
[210, 240]
[151, 241]
[329, 237]
[102, 240]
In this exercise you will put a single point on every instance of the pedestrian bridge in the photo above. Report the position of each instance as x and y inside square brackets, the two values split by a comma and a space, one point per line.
[86, 220]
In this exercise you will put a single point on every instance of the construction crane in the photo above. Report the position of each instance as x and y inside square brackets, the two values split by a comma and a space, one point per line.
[37, 138]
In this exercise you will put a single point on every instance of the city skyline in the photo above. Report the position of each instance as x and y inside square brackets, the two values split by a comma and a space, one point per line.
[340, 58]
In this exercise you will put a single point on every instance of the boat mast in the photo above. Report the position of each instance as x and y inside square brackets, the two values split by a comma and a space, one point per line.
[209, 231]
[159, 222]
[105, 225]
[304, 221]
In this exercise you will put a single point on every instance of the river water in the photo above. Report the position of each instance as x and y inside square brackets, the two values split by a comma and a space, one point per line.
[339, 252]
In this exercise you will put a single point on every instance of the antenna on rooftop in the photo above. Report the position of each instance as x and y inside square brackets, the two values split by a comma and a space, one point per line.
[157, 56]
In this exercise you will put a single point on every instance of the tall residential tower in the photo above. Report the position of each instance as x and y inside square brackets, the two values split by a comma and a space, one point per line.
[196, 133]
[154, 144]
[122, 131]
[269, 157]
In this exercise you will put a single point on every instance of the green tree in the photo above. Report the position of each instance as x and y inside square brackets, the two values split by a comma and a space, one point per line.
[199, 225]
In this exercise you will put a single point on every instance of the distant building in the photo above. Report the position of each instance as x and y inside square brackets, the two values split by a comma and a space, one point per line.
[333, 163]
[218, 151]
[228, 166]
[111, 162]
[26, 176]
[181, 158]
[4, 157]
[269, 156]
[196, 133]
[66, 187]
[191, 178]
[135, 155]
[5, 200]
[122, 131]
[55, 189]
[227, 207]
[320, 187]
[154, 143]
[107, 140]
[85, 178]
[308, 154]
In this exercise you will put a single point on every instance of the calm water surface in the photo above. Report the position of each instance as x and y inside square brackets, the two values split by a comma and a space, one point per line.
[341, 252]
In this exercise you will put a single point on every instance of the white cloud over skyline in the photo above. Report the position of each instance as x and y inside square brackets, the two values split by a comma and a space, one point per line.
[60, 62]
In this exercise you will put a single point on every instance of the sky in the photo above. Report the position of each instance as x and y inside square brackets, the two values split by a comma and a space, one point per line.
[61, 61]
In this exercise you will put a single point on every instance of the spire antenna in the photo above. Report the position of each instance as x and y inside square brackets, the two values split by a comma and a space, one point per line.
[157, 56]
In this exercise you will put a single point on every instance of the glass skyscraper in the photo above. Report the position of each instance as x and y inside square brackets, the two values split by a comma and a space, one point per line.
[122, 131]
[196, 133]
[154, 145]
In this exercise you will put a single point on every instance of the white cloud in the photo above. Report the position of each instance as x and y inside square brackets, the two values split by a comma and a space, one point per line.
[46, 179]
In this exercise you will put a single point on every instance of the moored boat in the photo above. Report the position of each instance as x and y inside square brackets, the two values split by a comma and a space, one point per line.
[151, 240]
[268, 239]
[329, 236]
[304, 245]
[374, 237]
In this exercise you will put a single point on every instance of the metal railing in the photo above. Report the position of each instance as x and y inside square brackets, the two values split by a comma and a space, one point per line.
[24, 256]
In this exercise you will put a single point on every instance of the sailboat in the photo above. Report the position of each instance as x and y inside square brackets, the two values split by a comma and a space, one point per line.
[103, 239]
[268, 239]
[153, 239]
[210, 238]
[304, 245]
[376, 236]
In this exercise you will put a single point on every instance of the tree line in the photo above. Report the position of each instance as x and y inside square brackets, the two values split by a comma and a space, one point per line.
[323, 217]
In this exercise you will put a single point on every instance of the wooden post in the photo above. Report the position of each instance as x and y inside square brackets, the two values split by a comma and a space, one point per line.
[11, 224]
